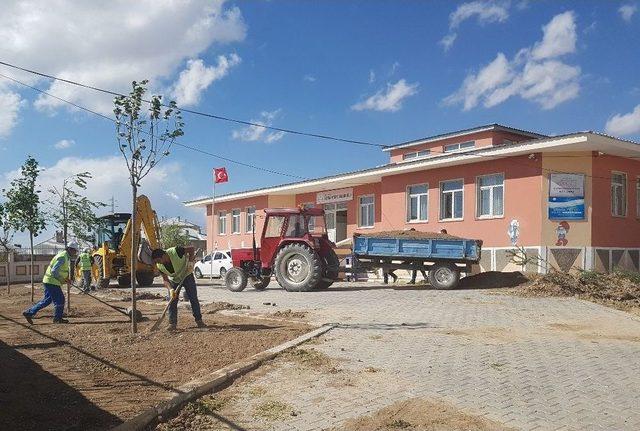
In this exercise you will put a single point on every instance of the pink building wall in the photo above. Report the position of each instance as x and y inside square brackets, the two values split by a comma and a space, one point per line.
[231, 240]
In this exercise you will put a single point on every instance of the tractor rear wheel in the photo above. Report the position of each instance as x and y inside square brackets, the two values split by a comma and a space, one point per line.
[298, 268]
[236, 279]
[103, 282]
[145, 278]
[260, 283]
[444, 276]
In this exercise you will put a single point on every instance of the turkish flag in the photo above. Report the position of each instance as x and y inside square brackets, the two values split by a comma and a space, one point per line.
[220, 175]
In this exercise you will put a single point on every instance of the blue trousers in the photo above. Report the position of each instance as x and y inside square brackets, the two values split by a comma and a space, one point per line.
[190, 289]
[52, 293]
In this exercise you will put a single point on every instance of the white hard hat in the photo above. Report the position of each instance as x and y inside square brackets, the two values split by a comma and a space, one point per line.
[74, 245]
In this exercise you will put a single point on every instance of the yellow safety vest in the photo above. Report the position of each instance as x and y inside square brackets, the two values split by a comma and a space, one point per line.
[63, 272]
[181, 267]
[85, 261]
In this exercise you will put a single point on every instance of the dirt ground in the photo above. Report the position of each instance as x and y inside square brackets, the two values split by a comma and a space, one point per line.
[421, 415]
[92, 373]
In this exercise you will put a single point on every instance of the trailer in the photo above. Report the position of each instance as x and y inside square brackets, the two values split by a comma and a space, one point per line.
[443, 256]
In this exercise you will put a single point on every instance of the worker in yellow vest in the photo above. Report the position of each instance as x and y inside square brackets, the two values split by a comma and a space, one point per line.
[175, 267]
[84, 262]
[57, 273]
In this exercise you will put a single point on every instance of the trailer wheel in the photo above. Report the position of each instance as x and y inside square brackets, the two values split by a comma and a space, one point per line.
[261, 283]
[236, 279]
[298, 268]
[444, 276]
[103, 282]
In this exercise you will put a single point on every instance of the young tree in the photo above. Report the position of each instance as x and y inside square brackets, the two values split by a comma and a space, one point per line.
[6, 240]
[23, 205]
[72, 211]
[144, 139]
[174, 235]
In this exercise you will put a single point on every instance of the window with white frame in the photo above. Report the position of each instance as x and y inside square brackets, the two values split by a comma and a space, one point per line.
[490, 195]
[251, 217]
[417, 202]
[235, 220]
[638, 197]
[459, 146]
[222, 223]
[451, 199]
[367, 211]
[619, 194]
[416, 154]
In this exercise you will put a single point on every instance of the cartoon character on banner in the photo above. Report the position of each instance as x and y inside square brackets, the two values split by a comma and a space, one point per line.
[562, 230]
[514, 231]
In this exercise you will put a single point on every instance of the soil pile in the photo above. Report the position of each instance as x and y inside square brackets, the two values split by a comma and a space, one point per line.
[493, 279]
[409, 234]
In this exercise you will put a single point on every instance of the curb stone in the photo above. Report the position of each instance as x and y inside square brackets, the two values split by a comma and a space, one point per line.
[199, 387]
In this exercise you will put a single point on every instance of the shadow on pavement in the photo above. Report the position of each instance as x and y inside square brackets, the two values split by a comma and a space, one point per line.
[34, 399]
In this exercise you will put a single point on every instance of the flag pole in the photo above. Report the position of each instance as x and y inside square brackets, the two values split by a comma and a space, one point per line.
[213, 226]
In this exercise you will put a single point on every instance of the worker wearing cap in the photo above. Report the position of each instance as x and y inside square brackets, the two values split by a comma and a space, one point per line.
[174, 266]
[84, 262]
[58, 272]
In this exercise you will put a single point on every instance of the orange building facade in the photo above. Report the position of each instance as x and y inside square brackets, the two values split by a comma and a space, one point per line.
[571, 200]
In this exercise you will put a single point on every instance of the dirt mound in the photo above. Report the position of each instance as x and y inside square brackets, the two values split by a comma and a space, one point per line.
[411, 234]
[214, 307]
[290, 314]
[493, 279]
[144, 296]
[419, 414]
[620, 289]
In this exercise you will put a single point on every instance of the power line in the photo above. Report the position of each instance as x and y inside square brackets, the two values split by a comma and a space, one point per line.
[106, 117]
[202, 114]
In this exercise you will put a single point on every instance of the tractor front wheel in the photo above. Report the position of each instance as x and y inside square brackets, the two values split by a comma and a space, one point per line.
[236, 279]
[124, 280]
[261, 283]
[298, 268]
[145, 278]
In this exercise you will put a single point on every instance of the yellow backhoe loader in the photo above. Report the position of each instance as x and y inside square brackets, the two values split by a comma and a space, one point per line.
[113, 256]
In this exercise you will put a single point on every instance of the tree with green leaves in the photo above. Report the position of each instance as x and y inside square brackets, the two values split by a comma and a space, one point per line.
[144, 138]
[24, 206]
[174, 235]
[73, 212]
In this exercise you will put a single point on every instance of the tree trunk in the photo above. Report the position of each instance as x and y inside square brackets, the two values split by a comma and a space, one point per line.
[31, 270]
[134, 258]
[9, 256]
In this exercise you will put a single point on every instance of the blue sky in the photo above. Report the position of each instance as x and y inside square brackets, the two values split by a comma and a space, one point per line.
[378, 71]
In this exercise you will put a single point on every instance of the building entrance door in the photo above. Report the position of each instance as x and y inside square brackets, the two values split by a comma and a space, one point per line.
[336, 216]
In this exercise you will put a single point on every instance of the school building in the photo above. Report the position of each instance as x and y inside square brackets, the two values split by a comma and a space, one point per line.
[573, 200]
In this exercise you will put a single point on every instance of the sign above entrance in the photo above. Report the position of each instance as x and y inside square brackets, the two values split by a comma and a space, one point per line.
[333, 196]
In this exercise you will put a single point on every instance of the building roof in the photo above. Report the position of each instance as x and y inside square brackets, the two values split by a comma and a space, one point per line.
[579, 141]
[464, 132]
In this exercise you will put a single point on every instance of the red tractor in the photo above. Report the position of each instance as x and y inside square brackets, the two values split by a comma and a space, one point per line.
[294, 247]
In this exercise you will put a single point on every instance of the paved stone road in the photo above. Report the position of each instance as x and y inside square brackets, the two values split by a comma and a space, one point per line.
[525, 362]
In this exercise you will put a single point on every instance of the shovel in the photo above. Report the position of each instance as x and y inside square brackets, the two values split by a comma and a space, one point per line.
[164, 312]
[126, 311]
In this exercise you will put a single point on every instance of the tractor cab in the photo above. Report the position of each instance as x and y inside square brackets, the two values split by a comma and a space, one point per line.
[294, 247]
[111, 229]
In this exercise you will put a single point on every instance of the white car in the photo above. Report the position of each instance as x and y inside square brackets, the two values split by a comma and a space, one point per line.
[217, 266]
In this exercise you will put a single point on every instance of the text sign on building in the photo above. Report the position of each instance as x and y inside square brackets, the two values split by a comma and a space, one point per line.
[333, 196]
[566, 197]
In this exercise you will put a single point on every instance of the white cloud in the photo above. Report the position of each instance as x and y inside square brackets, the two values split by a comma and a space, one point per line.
[197, 77]
[533, 74]
[257, 133]
[10, 104]
[64, 144]
[309, 78]
[110, 44]
[394, 68]
[627, 11]
[388, 99]
[559, 37]
[372, 76]
[173, 196]
[448, 40]
[485, 12]
[110, 178]
[624, 124]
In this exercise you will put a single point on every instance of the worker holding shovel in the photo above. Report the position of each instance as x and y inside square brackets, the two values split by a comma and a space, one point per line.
[174, 264]
[58, 272]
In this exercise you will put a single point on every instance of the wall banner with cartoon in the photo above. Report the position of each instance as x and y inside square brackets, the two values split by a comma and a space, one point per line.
[566, 196]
